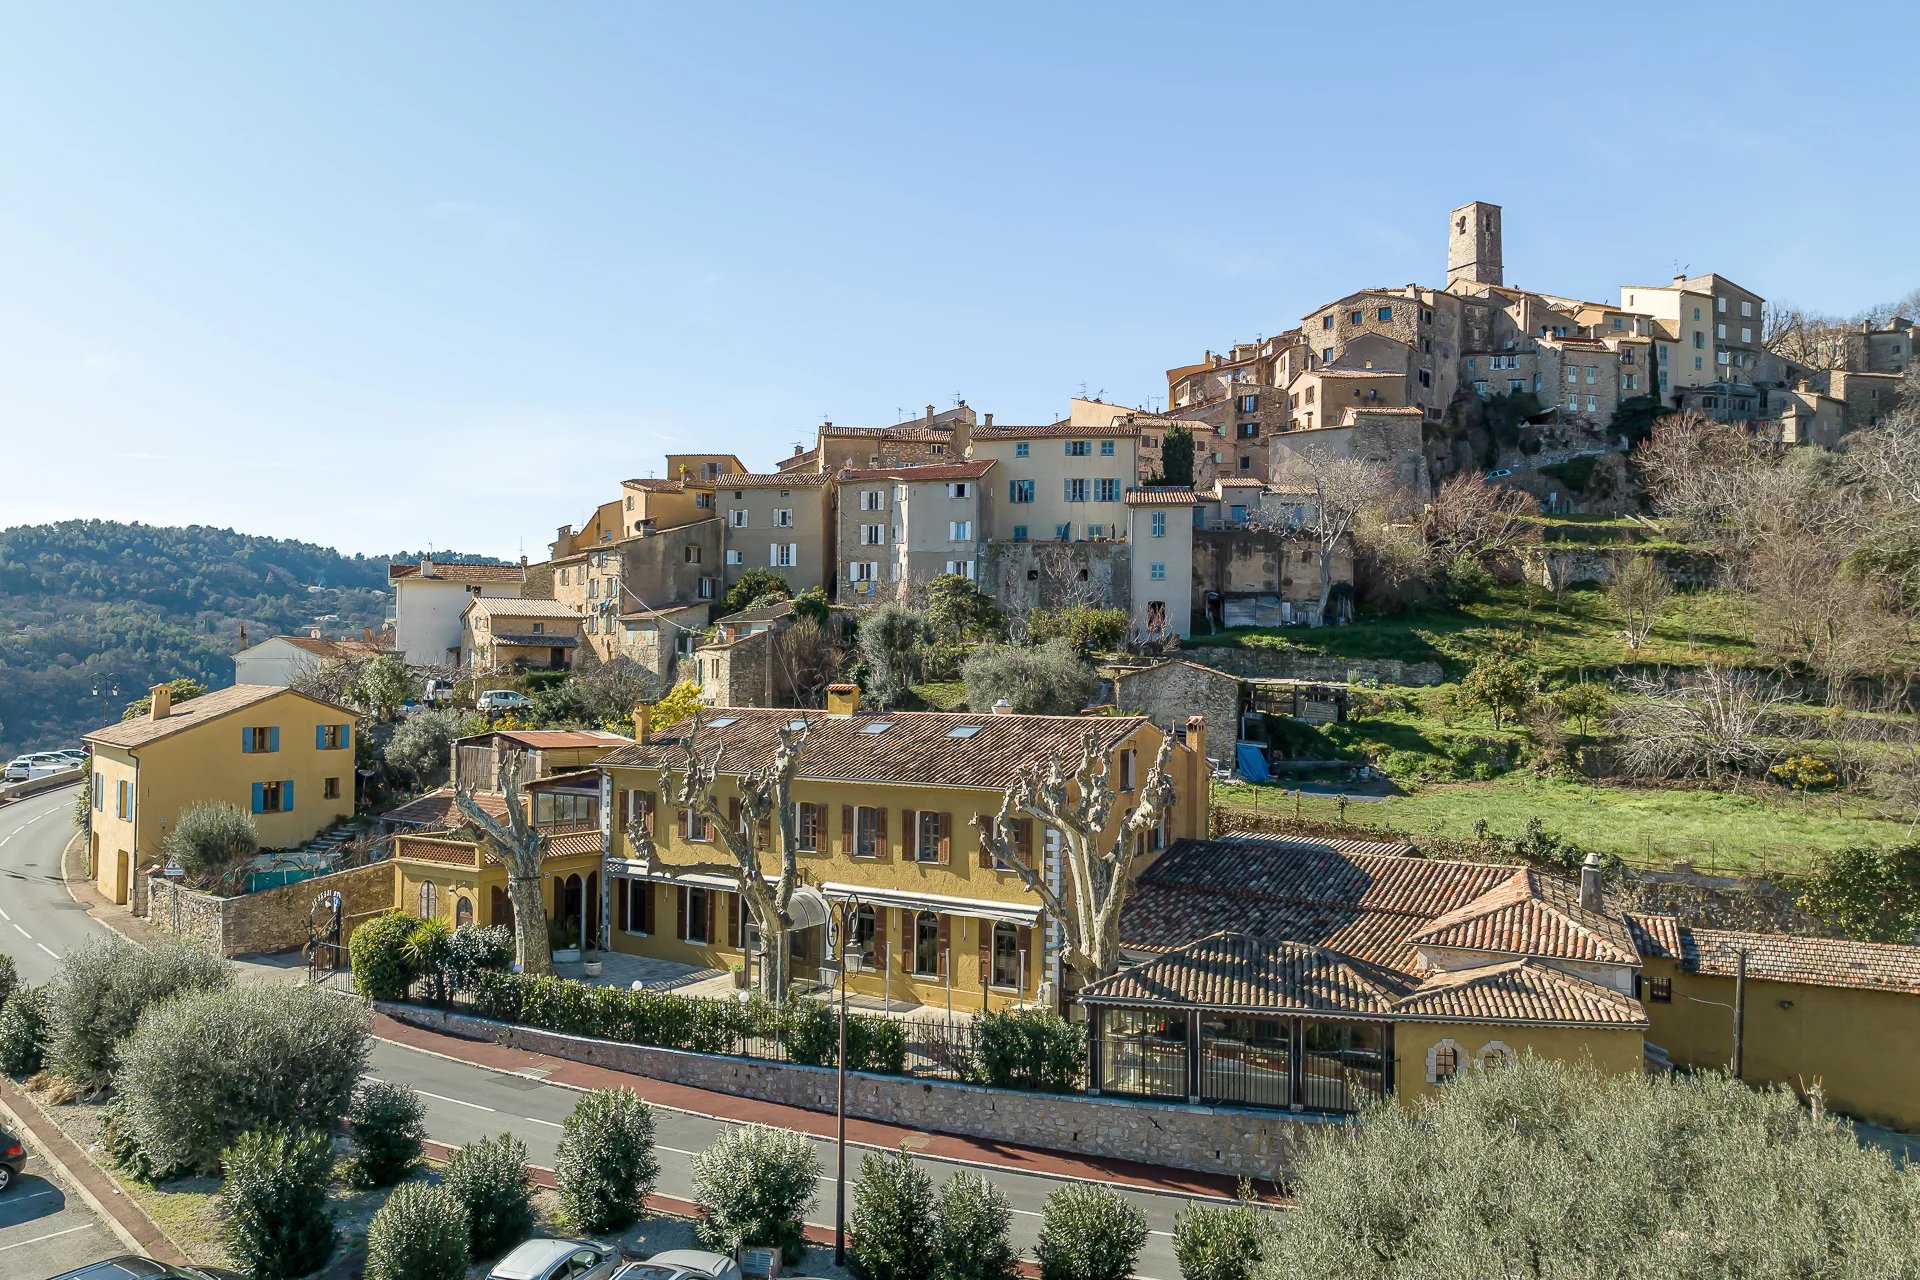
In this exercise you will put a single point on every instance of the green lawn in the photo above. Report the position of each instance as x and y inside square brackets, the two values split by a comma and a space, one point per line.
[1769, 831]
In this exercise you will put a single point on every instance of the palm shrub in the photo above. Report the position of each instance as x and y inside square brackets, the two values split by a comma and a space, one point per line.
[388, 1124]
[105, 985]
[428, 948]
[893, 1225]
[973, 1234]
[1087, 1232]
[24, 1026]
[420, 1233]
[1221, 1243]
[605, 1165]
[206, 1066]
[275, 1222]
[1029, 1049]
[755, 1186]
[489, 1179]
[378, 950]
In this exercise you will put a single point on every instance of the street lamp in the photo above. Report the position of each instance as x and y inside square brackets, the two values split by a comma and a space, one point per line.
[845, 912]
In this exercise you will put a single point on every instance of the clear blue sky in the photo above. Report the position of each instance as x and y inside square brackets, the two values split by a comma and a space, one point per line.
[379, 275]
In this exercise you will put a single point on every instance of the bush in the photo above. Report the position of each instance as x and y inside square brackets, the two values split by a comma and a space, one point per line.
[24, 1030]
[663, 1019]
[476, 949]
[1047, 680]
[888, 646]
[1030, 1049]
[810, 1032]
[1868, 892]
[1087, 1232]
[378, 950]
[1467, 581]
[212, 841]
[275, 1221]
[102, 989]
[754, 584]
[388, 1124]
[755, 1186]
[428, 948]
[420, 1233]
[124, 1147]
[605, 1166]
[1082, 626]
[974, 1221]
[893, 1227]
[1215, 1243]
[422, 745]
[489, 1179]
[204, 1067]
[9, 978]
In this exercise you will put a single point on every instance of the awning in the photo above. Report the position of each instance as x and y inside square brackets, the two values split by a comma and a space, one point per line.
[630, 870]
[1012, 912]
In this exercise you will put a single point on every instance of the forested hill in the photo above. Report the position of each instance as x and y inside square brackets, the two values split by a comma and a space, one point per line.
[97, 602]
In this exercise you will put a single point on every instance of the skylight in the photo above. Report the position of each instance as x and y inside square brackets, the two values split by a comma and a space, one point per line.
[796, 724]
[723, 722]
[963, 731]
[878, 726]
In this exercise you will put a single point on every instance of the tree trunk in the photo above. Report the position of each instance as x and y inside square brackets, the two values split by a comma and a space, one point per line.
[1326, 584]
[529, 925]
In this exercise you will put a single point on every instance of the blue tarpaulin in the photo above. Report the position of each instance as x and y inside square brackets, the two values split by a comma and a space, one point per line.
[1252, 763]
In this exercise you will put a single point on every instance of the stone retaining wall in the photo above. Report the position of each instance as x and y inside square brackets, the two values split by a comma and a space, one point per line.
[1225, 1140]
[1291, 664]
[271, 920]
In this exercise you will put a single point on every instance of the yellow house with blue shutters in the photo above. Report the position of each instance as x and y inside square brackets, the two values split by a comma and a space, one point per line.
[277, 754]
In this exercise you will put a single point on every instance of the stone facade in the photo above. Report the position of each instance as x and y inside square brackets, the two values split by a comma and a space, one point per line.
[638, 577]
[1231, 563]
[1238, 1142]
[1023, 576]
[1169, 692]
[1395, 437]
[1290, 664]
[271, 920]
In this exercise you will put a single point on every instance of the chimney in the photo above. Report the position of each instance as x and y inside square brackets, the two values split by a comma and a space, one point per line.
[1680, 279]
[366, 634]
[1001, 707]
[989, 419]
[426, 566]
[523, 562]
[1197, 740]
[929, 413]
[642, 721]
[843, 700]
[162, 697]
[1590, 896]
[243, 635]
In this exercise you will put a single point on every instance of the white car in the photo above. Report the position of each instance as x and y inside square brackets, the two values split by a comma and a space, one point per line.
[546, 1259]
[682, 1264]
[502, 700]
[37, 765]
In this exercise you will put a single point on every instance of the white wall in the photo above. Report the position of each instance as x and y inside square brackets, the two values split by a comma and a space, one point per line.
[1175, 551]
[426, 616]
[272, 662]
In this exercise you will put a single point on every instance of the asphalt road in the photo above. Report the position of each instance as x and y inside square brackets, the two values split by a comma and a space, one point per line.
[40, 922]
[45, 1229]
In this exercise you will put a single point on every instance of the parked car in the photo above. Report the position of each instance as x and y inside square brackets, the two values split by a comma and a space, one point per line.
[131, 1267]
[548, 1259]
[1501, 474]
[682, 1264]
[76, 758]
[40, 764]
[502, 700]
[13, 1158]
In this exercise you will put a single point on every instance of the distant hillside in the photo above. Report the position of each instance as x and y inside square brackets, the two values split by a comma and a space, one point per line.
[97, 602]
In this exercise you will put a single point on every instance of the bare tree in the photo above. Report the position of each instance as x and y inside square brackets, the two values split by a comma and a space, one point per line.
[1473, 516]
[809, 661]
[765, 813]
[1343, 489]
[332, 680]
[1076, 799]
[1639, 591]
[1718, 724]
[1809, 339]
[518, 844]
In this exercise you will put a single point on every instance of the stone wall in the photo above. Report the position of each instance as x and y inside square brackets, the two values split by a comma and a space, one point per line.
[1238, 1142]
[1169, 692]
[1262, 562]
[271, 920]
[1023, 576]
[1291, 664]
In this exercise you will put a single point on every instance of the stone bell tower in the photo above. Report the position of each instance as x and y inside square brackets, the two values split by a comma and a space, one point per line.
[1473, 245]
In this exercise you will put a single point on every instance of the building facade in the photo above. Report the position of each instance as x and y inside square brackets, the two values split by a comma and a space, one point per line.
[901, 527]
[499, 634]
[783, 521]
[429, 597]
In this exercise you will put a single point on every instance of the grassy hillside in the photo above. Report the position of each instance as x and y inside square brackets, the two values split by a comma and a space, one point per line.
[98, 602]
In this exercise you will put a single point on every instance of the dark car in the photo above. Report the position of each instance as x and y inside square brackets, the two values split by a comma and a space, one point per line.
[13, 1158]
[136, 1268]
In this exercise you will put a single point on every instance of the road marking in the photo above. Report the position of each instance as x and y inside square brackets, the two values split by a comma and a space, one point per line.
[549, 1123]
[461, 1102]
[32, 1195]
[5, 916]
[24, 933]
[52, 1235]
[49, 950]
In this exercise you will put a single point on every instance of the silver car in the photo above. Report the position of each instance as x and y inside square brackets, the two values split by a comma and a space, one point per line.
[682, 1264]
[545, 1259]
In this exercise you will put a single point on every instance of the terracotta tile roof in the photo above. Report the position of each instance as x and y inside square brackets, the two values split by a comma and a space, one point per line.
[798, 461]
[536, 640]
[1340, 371]
[1533, 914]
[1239, 973]
[1778, 957]
[1398, 411]
[769, 479]
[765, 613]
[458, 571]
[1121, 430]
[1160, 917]
[655, 485]
[1519, 991]
[498, 607]
[1240, 482]
[198, 711]
[915, 431]
[549, 739]
[350, 648]
[1160, 497]
[915, 747]
[437, 808]
[930, 472]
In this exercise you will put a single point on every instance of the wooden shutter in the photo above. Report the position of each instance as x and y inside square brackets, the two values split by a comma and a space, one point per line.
[946, 837]
[942, 957]
[765, 832]
[846, 830]
[1023, 943]
[986, 952]
[651, 802]
[686, 825]
[882, 844]
[733, 812]
[680, 911]
[1024, 841]
[645, 889]
[909, 835]
[986, 853]
[712, 901]
[624, 807]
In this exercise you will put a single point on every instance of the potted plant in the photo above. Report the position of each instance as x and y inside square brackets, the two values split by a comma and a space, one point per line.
[591, 967]
[563, 939]
[739, 975]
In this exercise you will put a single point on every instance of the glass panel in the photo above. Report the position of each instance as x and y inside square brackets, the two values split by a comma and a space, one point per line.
[1006, 955]
[1246, 1060]
[1144, 1052]
[1344, 1064]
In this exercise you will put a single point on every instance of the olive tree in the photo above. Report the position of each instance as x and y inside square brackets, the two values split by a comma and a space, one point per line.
[212, 842]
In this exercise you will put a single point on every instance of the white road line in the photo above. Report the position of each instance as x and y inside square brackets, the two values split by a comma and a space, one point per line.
[24, 933]
[5, 916]
[459, 1102]
[537, 1120]
[32, 1195]
[49, 950]
[51, 1235]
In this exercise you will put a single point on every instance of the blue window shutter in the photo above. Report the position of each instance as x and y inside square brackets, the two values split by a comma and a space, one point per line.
[246, 740]
[286, 796]
[346, 735]
[319, 737]
[273, 738]
[259, 797]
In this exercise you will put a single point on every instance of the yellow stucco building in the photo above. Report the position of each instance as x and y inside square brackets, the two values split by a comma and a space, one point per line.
[885, 813]
[279, 755]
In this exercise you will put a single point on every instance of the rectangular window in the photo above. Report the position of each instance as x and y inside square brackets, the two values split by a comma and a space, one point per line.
[1158, 572]
[272, 797]
[1699, 340]
[1019, 533]
[1326, 355]
[1720, 332]
[806, 827]
[734, 556]
[1573, 373]
[698, 829]
[1746, 334]
[123, 801]
[1659, 990]
[869, 832]
[331, 737]
[960, 531]
[695, 921]
[706, 588]
[1746, 310]
[737, 518]
[1326, 321]
[929, 837]
[1079, 449]
[1386, 313]
[959, 489]
[1020, 491]
[1106, 491]
[873, 535]
[1249, 403]
[262, 740]
[1126, 769]
[1480, 386]
[1020, 449]
[863, 570]
[1720, 305]
[1096, 531]
[1593, 404]
[783, 518]
[1593, 374]
[1159, 524]
[330, 789]
[785, 554]
[1698, 363]
[1516, 384]
[693, 555]
[1076, 490]
[1106, 448]
[1353, 317]
[1063, 532]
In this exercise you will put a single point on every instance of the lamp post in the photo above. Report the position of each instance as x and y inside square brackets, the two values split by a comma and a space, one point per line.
[844, 913]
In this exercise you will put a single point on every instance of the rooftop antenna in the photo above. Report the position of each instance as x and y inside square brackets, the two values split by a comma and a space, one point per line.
[958, 399]
[1101, 394]
[1083, 391]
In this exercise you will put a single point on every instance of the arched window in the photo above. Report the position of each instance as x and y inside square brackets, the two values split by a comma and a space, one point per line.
[462, 910]
[1006, 955]
[429, 901]
[1493, 1055]
[926, 944]
[1443, 1062]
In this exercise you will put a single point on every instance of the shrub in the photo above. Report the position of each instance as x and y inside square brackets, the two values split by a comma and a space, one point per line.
[755, 1186]
[378, 949]
[1030, 1049]
[751, 586]
[121, 1144]
[1084, 627]
[605, 1165]
[888, 646]
[663, 1019]
[212, 841]
[1869, 892]
[422, 744]
[102, 989]
[489, 1179]
[810, 1032]
[1087, 1232]
[474, 949]
[23, 1031]
[204, 1067]
[9, 978]
[893, 1227]
[428, 947]
[1467, 581]
[1049, 679]
[388, 1124]
[973, 1242]
[1221, 1243]
[275, 1221]
[420, 1233]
